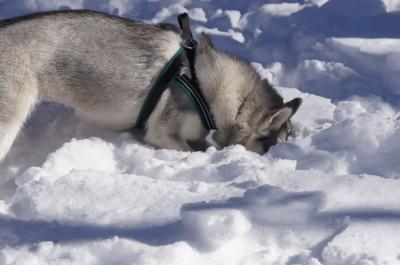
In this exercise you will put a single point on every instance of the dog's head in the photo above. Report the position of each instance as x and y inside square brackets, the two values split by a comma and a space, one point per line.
[274, 125]
[247, 109]
[260, 130]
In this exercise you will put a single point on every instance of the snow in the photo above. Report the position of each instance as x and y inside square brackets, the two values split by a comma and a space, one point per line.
[316, 2]
[370, 46]
[237, 36]
[362, 249]
[234, 17]
[74, 194]
[44, 4]
[282, 9]
[167, 12]
[392, 5]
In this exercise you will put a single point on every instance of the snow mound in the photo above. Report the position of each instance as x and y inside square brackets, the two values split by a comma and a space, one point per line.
[209, 229]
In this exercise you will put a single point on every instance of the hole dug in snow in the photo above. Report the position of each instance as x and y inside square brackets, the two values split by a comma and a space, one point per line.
[210, 229]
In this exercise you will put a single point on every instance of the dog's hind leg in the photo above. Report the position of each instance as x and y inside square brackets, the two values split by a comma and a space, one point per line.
[18, 94]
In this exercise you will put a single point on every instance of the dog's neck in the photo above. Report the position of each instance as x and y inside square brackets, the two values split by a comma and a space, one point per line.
[226, 82]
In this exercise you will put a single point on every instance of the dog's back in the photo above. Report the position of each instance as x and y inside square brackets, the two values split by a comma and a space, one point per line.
[87, 60]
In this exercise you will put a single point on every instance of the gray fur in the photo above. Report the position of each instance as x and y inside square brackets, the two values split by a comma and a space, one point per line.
[102, 66]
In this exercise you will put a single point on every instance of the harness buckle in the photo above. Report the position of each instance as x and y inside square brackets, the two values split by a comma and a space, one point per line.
[190, 45]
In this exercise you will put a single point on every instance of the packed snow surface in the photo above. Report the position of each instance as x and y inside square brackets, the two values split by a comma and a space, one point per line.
[74, 194]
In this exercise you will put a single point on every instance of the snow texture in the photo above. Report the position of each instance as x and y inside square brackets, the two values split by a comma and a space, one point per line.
[74, 194]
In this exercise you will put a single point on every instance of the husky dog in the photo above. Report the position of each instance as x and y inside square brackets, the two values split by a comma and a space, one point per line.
[103, 66]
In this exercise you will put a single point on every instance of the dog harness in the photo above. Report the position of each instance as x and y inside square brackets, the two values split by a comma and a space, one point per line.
[171, 75]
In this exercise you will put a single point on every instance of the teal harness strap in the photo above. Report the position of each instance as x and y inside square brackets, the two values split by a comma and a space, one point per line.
[171, 73]
[197, 99]
[166, 75]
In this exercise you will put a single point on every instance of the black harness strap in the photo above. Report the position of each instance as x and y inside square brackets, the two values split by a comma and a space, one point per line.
[189, 44]
[191, 86]
[170, 72]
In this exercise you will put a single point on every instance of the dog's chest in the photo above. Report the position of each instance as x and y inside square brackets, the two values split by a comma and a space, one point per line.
[192, 128]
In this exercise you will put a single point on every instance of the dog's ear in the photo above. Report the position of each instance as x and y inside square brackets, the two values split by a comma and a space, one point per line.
[294, 104]
[205, 42]
[280, 117]
[283, 114]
